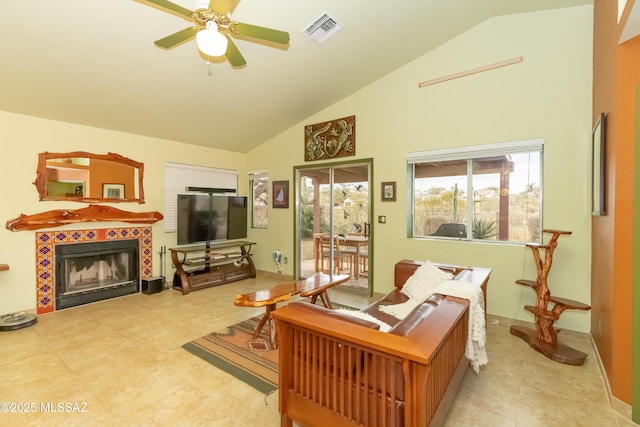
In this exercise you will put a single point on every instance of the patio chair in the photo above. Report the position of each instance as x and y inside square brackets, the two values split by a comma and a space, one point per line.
[339, 255]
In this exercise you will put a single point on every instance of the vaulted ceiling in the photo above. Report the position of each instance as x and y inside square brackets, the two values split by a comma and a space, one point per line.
[94, 62]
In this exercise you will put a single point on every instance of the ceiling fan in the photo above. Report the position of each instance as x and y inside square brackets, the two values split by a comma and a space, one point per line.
[213, 28]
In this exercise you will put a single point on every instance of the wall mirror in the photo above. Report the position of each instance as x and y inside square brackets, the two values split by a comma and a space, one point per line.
[85, 177]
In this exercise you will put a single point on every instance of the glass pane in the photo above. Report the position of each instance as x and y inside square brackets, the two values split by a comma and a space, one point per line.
[350, 201]
[313, 219]
[96, 271]
[260, 190]
[440, 199]
[506, 197]
[335, 202]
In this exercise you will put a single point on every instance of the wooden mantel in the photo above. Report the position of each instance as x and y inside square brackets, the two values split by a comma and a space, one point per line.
[92, 213]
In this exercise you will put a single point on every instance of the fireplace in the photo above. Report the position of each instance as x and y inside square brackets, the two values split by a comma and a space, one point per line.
[47, 243]
[90, 272]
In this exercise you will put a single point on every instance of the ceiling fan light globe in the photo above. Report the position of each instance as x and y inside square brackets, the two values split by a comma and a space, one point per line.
[211, 43]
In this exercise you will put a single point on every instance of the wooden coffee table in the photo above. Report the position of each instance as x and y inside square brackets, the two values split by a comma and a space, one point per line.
[314, 287]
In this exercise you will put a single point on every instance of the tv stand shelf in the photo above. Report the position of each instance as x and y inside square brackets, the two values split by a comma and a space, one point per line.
[201, 266]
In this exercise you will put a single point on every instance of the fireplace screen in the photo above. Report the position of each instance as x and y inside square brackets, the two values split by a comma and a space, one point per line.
[88, 272]
[98, 271]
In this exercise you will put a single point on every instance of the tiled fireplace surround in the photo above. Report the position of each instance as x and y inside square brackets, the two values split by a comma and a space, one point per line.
[46, 242]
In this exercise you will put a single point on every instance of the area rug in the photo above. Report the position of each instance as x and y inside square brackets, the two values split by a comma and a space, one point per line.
[235, 351]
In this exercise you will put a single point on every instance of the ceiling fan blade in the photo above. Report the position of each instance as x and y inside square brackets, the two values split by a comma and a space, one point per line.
[261, 33]
[221, 6]
[177, 38]
[171, 7]
[233, 54]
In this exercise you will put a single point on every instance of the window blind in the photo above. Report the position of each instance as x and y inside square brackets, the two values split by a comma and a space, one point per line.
[475, 151]
[177, 177]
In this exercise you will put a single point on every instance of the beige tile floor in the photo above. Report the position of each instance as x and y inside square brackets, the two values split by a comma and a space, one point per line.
[123, 359]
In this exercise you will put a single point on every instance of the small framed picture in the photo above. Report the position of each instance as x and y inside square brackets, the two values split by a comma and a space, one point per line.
[280, 198]
[388, 191]
[113, 191]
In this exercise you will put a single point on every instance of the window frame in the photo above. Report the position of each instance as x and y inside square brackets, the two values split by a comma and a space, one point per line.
[178, 177]
[471, 154]
[253, 176]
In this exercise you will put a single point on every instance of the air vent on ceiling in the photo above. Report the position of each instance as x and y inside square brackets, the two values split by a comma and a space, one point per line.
[322, 28]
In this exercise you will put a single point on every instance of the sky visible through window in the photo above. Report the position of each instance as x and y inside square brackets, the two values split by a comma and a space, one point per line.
[526, 172]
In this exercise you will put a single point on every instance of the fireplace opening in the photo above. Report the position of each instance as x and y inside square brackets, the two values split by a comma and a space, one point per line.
[90, 272]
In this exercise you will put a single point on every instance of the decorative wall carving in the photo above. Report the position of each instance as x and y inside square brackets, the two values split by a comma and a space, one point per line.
[330, 140]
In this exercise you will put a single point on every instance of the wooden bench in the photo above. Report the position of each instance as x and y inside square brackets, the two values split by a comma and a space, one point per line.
[337, 372]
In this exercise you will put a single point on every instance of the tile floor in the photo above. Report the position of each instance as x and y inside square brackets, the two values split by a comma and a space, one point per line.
[120, 362]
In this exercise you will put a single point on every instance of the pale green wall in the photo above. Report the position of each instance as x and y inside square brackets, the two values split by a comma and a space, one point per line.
[23, 137]
[548, 95]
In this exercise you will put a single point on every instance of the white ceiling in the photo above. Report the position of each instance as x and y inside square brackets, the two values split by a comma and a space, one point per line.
[631, 27]
[93, 62]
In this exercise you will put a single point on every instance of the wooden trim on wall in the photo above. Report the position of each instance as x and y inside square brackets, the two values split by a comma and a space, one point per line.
[472, 71]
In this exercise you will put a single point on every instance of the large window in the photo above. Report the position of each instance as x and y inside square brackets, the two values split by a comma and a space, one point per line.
[489, 192]
[259, 184]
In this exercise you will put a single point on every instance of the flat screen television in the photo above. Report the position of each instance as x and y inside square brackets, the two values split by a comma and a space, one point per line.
[206, 218]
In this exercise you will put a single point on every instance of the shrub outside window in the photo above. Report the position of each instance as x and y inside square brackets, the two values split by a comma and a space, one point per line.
[491, 192]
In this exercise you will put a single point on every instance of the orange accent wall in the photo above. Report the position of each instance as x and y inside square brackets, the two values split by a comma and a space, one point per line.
[108, 172]
[628, 81]
[615, 79]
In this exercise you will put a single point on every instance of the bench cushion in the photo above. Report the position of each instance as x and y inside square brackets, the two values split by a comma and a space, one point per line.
[412, 320]
[335, 314]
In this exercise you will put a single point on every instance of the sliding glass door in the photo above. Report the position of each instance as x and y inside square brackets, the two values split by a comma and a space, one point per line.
[333, 211]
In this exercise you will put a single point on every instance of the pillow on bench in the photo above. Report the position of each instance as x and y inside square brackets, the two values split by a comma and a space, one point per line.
[426, 277]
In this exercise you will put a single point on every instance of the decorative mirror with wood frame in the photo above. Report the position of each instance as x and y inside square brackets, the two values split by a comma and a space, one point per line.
[86, 177]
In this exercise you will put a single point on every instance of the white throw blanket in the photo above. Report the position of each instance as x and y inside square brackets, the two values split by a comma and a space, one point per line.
[402, 310]
[475, 349]
[384, 327]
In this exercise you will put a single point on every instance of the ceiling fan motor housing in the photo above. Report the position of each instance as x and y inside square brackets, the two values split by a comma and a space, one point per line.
[202, 16]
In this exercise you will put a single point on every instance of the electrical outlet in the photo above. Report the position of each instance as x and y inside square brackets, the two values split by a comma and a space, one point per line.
[382, 219]
[285, 260]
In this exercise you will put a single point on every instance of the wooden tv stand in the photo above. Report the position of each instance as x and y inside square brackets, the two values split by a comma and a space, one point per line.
[199, 267]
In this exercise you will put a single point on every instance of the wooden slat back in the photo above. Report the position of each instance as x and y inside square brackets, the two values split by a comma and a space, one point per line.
[363, 386]
[444, 364]
[350, 380]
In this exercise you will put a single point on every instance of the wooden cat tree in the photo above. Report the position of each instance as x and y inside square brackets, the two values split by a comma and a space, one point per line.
[545, 338]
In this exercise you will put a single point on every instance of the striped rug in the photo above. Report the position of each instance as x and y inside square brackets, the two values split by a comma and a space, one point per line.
[235, 352]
